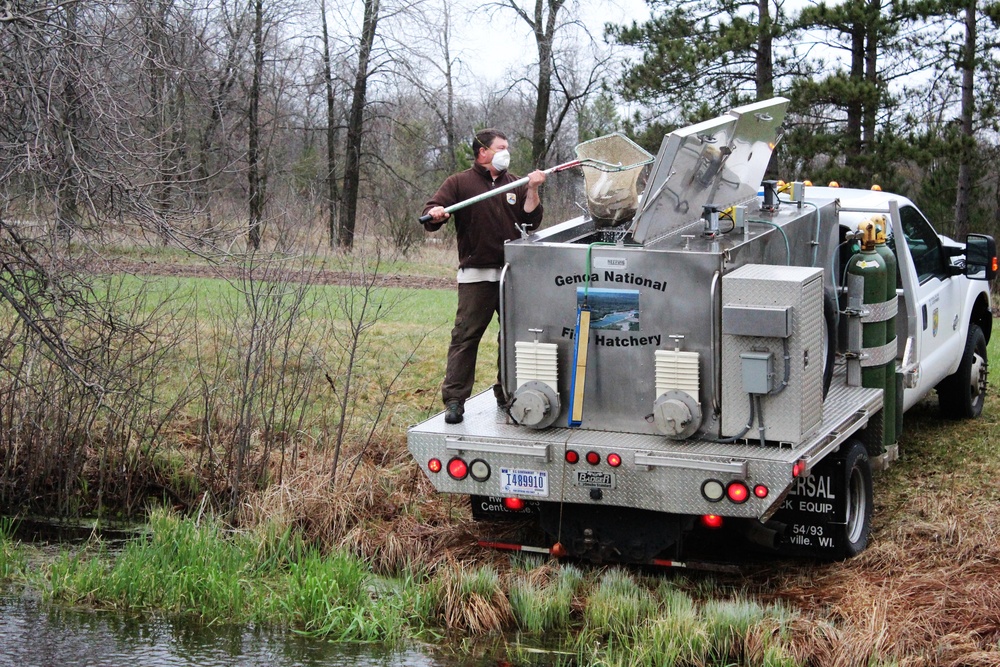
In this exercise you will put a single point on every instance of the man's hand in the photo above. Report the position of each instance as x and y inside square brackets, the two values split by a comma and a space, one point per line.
[438, 214]
[536, 178]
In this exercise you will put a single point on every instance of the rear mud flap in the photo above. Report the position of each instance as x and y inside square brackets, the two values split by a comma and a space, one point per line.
[814, 506]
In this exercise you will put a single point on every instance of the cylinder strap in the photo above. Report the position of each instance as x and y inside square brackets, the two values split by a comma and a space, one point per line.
[878, 356]
[881, 312]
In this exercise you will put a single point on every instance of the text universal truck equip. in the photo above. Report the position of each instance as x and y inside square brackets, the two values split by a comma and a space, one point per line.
[700, 367]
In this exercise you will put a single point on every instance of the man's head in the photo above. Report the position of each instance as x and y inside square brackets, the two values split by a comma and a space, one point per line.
[486, 143]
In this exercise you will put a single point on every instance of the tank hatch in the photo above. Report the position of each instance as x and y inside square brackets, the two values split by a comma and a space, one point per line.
[718, 162]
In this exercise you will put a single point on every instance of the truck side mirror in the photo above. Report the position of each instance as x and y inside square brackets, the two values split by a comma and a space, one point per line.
[980, 257]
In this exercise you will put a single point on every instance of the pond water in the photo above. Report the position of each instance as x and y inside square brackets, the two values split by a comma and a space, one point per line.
[33, 633]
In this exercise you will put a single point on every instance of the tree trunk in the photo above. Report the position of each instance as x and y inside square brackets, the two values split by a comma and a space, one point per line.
[68, 186]
[451, 135]
[963, 195]
[255, 180]
[355, 126]
[544, 28]
[871, 102]
[331, 134]
[855, 105]
[764, 56]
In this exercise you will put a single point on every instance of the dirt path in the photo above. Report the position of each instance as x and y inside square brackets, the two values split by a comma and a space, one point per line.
[311, 276]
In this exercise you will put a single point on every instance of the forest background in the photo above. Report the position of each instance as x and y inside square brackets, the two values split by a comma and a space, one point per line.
[275, 140]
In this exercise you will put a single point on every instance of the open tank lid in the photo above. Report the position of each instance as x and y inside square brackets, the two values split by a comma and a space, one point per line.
[718, 162]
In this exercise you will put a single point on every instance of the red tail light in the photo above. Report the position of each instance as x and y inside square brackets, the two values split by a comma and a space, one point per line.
[711, 521]
[458, 469]
[572, 456]
[760, 491]
[738, 492]
[798, 468]
[513, 504]
[434, 465]
[593, 458]
[614, 460]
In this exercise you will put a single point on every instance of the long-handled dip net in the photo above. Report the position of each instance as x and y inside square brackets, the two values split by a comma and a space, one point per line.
[612, 165]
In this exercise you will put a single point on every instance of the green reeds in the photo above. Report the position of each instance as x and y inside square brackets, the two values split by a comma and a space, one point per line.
[618, 606]
[542, 599]
[200, 569]
[12, 559]
[634, 621]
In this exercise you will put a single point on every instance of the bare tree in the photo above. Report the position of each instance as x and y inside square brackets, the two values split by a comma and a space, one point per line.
[356, 121]
[439, 57]
[558, 73]
[333, 195]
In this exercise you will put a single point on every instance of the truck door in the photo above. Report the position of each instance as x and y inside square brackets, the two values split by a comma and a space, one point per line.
[938, 297]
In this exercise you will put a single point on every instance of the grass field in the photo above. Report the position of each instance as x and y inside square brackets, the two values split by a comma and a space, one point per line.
[381, 557]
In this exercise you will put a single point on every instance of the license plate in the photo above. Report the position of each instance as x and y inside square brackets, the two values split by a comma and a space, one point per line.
[525, 482]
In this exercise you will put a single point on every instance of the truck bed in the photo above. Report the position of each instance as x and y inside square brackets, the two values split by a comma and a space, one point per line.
[656, 473]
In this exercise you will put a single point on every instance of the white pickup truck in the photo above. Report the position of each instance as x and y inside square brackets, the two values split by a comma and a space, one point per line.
[720, 370]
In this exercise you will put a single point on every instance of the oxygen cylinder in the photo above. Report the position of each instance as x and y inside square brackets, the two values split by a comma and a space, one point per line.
[870, 266]
[889, 257]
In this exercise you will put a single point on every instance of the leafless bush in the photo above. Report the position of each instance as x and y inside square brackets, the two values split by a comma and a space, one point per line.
[364, 364]
[83, 406]
[257, 375]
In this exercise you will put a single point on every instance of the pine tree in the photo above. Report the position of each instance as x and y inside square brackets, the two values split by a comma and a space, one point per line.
[701, 57]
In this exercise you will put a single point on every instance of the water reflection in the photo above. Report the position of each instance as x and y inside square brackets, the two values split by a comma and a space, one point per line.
[36, 634]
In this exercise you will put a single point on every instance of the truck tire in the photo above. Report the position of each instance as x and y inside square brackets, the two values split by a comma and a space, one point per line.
[859, 496]
[962, 394]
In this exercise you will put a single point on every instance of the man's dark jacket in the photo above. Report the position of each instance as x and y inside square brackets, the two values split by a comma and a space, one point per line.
[483, 227]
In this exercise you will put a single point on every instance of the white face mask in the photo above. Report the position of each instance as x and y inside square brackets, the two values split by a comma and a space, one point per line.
[501, 160]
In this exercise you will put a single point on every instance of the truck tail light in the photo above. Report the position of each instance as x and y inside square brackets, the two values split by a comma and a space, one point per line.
[798, 468]
[513, 504]
[434, 465]
[738, 492]
[760, 491]
[458, 469]
[593, 458]
[711, 521]
[572, 456]
[614, 460]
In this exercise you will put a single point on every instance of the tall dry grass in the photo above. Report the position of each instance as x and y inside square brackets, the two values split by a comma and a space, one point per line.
[387, 512]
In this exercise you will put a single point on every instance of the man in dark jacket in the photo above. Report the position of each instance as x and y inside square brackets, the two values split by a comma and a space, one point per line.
[482, 229]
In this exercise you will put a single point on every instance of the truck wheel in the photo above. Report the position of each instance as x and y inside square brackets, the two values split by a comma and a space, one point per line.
[859, 498]
[962, 394]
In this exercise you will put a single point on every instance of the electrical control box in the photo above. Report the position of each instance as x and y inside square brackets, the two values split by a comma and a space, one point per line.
[772, 315]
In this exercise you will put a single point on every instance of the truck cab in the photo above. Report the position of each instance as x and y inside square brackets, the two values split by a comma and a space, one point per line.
[944, 301]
